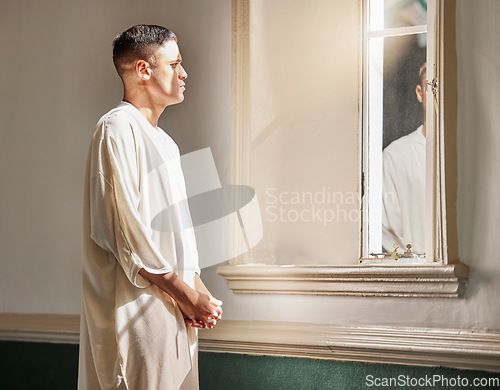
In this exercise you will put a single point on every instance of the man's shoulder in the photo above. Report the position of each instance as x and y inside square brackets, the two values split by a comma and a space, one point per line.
[114, 123]
[116, 117]
[407, 141]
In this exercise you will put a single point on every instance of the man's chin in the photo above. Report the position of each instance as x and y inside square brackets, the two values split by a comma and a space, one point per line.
[179, 99]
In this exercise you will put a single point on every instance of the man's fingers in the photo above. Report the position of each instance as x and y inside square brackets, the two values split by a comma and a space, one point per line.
[215, 315]
[215, 301]
[211, 323]
[216, 306]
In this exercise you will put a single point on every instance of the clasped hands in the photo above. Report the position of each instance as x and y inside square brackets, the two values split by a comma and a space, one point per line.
[199, 308]
[204, 310]
[208, 319]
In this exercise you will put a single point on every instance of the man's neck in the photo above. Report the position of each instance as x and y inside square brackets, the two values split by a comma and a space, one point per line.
[145, 106]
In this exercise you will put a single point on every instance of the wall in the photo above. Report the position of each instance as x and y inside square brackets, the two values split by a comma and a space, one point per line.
[58, 80]
[478, 150]
[478, 210]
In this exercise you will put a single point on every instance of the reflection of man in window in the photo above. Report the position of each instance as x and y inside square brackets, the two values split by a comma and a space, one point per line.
[404, 186]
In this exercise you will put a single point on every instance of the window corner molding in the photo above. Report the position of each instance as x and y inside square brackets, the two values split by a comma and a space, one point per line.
[428, 281]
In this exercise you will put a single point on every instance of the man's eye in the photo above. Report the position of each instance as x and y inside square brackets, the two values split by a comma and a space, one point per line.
[174, 65]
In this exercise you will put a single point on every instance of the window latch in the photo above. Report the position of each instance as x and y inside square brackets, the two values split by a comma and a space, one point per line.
[434, 84]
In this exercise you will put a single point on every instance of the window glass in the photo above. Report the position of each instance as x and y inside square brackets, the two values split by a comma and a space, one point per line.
[386, 14]
[394, 102]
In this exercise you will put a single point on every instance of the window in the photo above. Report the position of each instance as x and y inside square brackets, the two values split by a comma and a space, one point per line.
[395, 43]
[262, 116]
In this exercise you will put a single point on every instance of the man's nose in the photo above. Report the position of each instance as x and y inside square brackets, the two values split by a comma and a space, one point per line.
[183, 74]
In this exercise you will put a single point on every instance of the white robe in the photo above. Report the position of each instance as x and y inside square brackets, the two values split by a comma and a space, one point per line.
[133, 335]
[403, 220]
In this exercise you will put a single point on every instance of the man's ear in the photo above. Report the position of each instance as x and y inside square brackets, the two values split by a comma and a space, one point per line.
[419, 92]
[143, 70]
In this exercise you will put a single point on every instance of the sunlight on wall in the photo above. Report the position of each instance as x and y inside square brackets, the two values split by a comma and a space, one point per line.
[304, 121]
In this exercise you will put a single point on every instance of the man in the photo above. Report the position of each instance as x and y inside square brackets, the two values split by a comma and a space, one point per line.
[142, 294]
[403, 198]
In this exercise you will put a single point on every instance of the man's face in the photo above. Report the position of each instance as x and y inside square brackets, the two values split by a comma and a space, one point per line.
[168, 75]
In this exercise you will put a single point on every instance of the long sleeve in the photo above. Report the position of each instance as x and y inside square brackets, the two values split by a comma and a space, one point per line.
[115, 184]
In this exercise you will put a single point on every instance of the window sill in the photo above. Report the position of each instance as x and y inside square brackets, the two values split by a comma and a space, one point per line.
[425, 281]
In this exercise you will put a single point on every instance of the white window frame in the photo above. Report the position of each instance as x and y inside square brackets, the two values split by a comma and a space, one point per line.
[444, 275]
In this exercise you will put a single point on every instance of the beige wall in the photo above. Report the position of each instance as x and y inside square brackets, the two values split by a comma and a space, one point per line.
[304, 123]
[58, 79]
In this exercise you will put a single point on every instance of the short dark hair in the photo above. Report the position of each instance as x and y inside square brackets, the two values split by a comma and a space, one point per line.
[139, 42]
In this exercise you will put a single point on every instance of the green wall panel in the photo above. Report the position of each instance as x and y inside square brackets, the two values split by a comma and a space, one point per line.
[231, 372]
[38, 366]
[45, 366]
